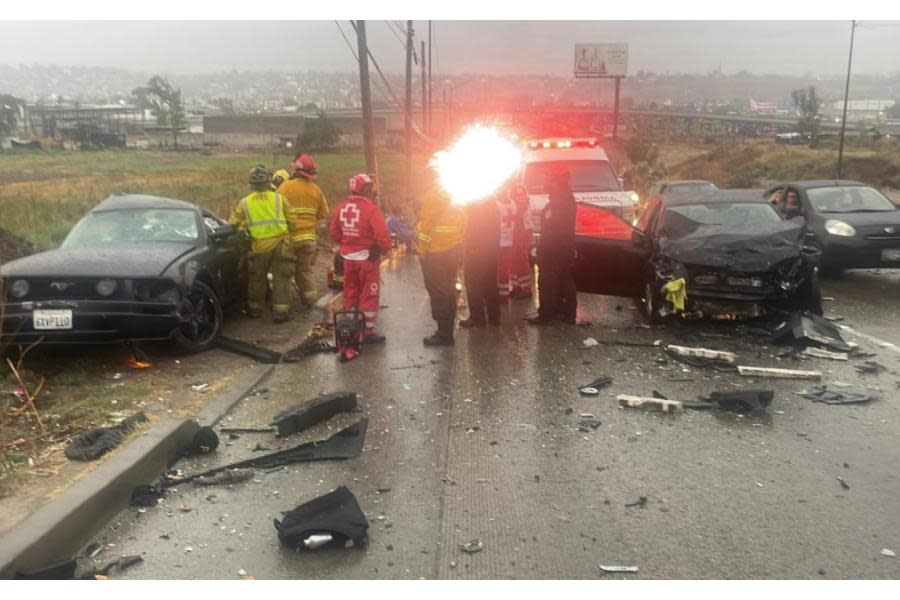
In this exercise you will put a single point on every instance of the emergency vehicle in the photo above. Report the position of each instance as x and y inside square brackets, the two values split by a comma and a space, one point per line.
[594, 181]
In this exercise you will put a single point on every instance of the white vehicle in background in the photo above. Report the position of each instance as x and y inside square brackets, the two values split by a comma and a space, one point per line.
[594, 181]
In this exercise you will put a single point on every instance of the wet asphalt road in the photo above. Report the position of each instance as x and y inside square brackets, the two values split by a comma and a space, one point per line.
[476, 441]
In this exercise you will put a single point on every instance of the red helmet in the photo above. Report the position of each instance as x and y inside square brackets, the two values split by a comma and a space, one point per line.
[305, 165]
[361, 185]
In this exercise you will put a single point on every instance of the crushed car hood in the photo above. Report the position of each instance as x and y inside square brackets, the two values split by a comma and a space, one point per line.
[736, 251]
[138, 260]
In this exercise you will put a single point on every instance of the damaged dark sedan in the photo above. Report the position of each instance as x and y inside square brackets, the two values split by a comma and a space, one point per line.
[134, 268]
[722, 254]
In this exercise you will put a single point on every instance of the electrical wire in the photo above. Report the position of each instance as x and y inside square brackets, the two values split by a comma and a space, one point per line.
[356, 56]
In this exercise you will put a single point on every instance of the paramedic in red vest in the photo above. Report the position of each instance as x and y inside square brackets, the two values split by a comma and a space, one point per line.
[358, 226]
[523, 235]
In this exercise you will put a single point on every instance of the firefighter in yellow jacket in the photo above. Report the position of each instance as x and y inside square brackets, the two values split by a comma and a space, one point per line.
[262, 212]
[441, 229]
[306, 207]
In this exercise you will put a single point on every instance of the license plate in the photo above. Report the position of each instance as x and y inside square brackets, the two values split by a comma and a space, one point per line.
[52, 319]
[891, 254]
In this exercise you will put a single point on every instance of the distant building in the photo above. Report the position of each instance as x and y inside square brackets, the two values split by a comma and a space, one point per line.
[862, 110]
[281, 129]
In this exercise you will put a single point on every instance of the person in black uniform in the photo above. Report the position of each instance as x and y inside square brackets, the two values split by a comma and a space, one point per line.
[482, 252]
[556, 252]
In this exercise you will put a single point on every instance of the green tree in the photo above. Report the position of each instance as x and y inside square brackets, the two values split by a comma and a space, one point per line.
[10, 107]
[165, 103]
[810, 106]
[319, 134]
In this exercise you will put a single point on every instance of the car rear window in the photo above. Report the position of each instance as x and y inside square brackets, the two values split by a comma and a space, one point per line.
[848, 199]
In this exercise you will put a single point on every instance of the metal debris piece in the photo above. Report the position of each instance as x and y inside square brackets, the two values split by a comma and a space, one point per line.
[743, 400]
[659, 404]
[593, 388]
[719, 356]
[870, 366]
[473, 546]
[587, 425]
[316, 541]
[819, 353]
[778, 373]
[640, 503]
[807, 328]
[888, 552]
[619, 568]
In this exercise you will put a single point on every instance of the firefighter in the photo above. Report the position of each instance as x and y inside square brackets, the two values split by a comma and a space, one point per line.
[506, 213]
[556, 253]
[523, 234]
[262, 212]
[480, 264]
[279, 177]
[306, 207]
[441, 227]
[358, 226]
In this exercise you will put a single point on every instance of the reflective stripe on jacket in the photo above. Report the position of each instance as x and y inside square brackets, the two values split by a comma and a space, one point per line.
[305, 206]
[441, 225]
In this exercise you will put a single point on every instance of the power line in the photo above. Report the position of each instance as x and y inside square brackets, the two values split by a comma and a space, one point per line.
[396, 35]
[356, 56]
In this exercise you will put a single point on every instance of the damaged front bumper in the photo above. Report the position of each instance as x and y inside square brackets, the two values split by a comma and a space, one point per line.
[92, 321]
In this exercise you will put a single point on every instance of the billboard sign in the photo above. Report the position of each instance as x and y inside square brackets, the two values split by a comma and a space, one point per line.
[601, 60]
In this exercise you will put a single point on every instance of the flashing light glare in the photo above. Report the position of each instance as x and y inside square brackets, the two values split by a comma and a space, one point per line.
[477, 164]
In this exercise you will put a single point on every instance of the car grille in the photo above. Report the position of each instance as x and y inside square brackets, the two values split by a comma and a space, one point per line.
[61, 288]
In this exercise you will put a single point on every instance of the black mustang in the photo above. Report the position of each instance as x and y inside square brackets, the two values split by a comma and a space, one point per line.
[737, 256]
[133, 268]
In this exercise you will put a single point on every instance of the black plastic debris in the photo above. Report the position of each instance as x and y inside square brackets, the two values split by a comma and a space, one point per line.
[319, 409]
[308, 347]
[741, 401]
[844, 484]
[869, 367]
[807, 328]
[845, 396]
[593, 388]
[204, 442]
[232, 430]
[61, 570]
[257, 353]
[226, 477]
[94, 443]
[346, 443]
[336, 515]
[147, 495]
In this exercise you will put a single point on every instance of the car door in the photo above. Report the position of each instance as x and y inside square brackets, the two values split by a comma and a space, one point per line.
[226, 254]
[613, 256]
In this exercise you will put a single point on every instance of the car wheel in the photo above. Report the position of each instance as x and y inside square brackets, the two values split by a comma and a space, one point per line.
[200, 319]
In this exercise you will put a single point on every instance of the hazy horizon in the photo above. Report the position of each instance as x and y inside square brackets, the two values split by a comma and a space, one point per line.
[816, 48]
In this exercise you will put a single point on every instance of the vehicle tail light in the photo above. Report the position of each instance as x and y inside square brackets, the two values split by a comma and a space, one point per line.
[595, 222]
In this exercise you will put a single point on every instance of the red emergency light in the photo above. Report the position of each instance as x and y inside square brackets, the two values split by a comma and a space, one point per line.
[562, 143]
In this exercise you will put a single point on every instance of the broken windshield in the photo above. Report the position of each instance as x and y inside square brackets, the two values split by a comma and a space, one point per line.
[680, 221]
[133, 225]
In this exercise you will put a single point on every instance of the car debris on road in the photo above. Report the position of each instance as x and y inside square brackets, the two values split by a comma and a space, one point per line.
[298, 418]
[658, 404]
[94, 443]
[820, 353]
[748, 371]
[593, 388]
[226, 477]
[802, 329]
[619, 568]
[825, 396]
[329, 520]
[473, 546]
[703, 354]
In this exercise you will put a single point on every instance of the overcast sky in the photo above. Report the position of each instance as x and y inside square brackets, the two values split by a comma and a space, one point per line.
[495, 47]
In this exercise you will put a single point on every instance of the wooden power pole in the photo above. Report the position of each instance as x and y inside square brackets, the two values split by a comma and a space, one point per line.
[840, 163]
[408, 108]
[366, 98]
[424, 90]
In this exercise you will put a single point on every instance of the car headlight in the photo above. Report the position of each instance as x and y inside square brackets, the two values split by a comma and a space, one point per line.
[634, 197]
[835, 227]
[19, 288]
[106, 287]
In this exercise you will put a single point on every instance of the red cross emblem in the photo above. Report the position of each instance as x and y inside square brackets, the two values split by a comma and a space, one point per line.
[350, 216]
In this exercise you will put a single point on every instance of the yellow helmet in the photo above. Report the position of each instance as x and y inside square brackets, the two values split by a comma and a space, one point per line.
[279, 176]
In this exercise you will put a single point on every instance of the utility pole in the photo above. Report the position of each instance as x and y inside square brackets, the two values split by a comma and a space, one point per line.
[365, 97]
[430, 109]
[840, 164]
[424, 91]
[408, 108]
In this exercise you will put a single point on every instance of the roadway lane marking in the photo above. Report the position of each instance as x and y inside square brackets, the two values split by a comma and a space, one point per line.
[871, 338]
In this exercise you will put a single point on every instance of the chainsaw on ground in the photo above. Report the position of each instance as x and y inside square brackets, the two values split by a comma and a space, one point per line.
[349, 333]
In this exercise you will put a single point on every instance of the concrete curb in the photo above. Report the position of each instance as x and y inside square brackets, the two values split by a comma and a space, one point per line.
[62, 527]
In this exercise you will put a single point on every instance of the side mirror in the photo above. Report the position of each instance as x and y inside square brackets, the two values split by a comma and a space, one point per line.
[223, 232]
